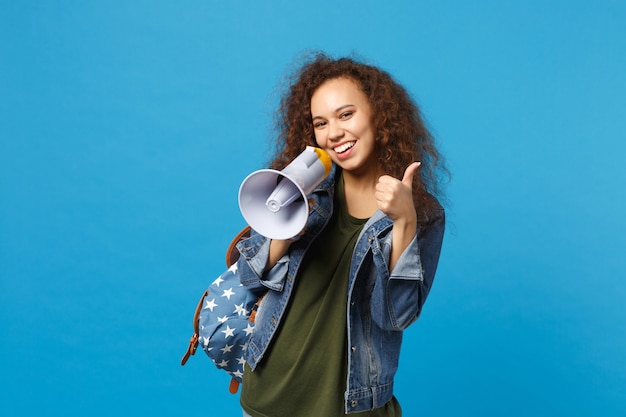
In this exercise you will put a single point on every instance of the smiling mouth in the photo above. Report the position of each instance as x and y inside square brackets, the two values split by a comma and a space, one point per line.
[344, 147]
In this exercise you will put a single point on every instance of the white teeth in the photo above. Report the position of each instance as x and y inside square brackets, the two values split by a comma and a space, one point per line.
[344, 147]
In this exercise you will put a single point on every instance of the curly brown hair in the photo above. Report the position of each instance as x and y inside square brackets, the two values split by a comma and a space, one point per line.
[402, 136]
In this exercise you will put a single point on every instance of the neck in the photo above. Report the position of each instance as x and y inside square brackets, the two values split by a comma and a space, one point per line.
[360, 193]
[361, 181]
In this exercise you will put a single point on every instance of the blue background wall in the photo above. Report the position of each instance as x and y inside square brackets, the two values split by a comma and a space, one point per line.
[127, 127]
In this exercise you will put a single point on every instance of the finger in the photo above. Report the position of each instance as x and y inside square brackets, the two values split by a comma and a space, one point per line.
[386, 179]
[410, 171]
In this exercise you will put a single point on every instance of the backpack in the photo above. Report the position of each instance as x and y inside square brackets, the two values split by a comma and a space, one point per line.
[224, 319]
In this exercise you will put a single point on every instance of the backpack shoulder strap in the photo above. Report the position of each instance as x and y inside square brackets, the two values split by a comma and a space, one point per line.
[232, 254]
[193, 341]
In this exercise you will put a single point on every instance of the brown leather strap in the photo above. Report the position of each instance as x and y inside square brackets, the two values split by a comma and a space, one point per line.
[193, 341]
[252, 317]
[232, 254]
[234, 386]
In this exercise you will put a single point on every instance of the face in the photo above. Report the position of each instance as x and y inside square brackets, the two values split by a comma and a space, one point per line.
[342, 124]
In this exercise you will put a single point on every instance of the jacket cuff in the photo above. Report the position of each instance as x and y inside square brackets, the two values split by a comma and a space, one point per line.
[409, 265]
[255, 252]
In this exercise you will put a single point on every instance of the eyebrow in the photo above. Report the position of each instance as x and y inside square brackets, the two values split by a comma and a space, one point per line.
[336, 110]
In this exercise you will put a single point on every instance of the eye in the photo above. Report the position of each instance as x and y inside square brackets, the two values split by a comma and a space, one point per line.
[346, 114]
[319, 124]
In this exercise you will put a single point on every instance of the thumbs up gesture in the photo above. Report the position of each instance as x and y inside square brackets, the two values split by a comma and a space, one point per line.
[394, 197]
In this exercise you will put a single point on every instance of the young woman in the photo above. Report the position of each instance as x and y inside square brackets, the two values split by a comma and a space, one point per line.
[337, 298]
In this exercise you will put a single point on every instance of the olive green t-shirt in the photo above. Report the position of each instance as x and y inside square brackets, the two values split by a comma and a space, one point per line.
[305, 369]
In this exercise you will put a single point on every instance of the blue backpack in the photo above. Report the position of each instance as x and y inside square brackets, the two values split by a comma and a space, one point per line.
[224, 319]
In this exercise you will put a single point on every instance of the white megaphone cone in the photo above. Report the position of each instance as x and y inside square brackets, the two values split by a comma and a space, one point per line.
[274, 203]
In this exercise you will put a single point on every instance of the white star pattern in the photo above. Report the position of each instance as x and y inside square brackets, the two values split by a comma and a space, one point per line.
[240, 310]
[224, 327]
[228, 332]
[210, 304]
[228, 293]
[205, 341]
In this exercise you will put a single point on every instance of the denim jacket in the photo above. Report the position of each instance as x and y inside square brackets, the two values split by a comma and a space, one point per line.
[380, 305]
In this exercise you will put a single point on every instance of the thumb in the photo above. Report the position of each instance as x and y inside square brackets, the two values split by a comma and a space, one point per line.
[410, 171]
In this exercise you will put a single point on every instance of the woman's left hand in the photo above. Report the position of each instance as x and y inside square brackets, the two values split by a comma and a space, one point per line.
[394, 197]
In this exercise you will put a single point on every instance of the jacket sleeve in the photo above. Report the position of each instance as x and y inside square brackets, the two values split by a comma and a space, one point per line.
[253, 261]
[398, 295]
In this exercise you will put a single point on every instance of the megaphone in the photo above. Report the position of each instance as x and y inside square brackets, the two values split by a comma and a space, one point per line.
[274, 203]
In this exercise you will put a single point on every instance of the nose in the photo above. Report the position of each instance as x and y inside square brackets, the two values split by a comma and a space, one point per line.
[335, 131]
